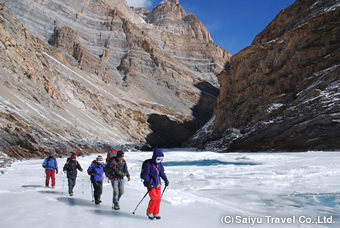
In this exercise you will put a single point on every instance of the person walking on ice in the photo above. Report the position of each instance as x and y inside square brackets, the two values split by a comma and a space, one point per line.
[70, 168]
[50, 165]
[96, 170]
[152, 174]
[116, 170]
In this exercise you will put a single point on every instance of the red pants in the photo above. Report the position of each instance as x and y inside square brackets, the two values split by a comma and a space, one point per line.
[155, 201]
[50, 174]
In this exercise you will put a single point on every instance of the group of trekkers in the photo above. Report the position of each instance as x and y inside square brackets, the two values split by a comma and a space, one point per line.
[115, 169]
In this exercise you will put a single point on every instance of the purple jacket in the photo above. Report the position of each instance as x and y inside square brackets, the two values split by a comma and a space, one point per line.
[96, 171]
[156, 172]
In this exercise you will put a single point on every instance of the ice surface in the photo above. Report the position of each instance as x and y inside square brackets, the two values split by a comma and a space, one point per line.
[204, 187]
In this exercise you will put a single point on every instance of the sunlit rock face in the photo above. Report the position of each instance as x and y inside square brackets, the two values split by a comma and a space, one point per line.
[91, 75]
[282, 92]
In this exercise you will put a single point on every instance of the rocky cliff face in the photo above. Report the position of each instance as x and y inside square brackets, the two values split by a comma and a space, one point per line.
[282, 92]
[171, 17]
[91, 74]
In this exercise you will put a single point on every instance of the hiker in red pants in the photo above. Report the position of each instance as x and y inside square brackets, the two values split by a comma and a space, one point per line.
[152, 174]
[51, 168]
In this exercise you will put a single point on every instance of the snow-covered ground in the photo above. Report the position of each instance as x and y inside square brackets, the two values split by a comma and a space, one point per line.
[206, 190]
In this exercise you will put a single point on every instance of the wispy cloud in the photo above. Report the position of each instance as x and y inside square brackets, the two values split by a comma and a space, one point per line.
[140, 3]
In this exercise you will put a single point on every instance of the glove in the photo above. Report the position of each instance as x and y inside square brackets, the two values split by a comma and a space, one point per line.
[81, 170]
[56, 170]
[129, 178]
[149, 185]
[166, 182]
[89, 173]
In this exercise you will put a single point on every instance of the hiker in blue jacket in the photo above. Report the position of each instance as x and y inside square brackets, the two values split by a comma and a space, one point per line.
[96, 171]
[154, 171]
[50, 165]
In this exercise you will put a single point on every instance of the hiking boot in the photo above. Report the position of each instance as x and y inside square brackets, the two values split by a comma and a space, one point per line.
[47, 186]
[71, 194]
[116, 206]
[150, 216]
[97, 200]
[53, 187]
[157, 216]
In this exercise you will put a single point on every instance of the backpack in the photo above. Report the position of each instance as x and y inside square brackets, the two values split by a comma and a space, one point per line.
[67, 162]
[48, 160]
[143, 167]
[110, 155]
[110, 167]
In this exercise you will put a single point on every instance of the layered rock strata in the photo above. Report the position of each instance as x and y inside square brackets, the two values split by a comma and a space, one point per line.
[282, 92]
[94, 74]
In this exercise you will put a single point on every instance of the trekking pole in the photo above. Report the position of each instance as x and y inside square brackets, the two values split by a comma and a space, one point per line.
[92, 192]
[82, 185]
[140, 202]
[63, 187]
[113, 197]
[163, 191]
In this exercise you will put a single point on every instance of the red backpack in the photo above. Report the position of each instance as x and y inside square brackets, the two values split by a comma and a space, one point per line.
[110, 155]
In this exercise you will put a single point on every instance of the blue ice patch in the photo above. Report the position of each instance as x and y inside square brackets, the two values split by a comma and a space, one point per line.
[326, 199]
[331, 200]
[206, 163]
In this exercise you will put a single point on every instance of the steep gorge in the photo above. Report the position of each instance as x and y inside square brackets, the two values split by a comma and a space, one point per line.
[93, 75]
[283, 92]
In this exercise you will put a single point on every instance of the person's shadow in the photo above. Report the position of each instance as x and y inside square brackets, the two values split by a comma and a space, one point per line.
[99, 211]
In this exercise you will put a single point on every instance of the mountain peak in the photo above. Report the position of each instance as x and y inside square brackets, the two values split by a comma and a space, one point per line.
[170, 1]
[169, 16]
[166, 10]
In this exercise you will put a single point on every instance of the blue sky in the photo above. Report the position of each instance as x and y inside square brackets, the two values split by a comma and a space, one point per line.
[233, 24]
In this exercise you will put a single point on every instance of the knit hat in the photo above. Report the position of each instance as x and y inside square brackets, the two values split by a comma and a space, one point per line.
[120, 153]
[100, 159]
[73, 157]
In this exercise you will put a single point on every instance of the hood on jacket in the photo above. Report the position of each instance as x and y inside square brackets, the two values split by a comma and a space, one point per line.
[156, 154]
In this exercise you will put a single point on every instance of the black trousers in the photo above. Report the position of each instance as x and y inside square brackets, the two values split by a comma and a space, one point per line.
[71, 184]
[98, 189]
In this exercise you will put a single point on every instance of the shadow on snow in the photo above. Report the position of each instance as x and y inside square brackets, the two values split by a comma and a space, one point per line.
[99, 209]
[33, 186]
[118, 214]
[75, 201]
[51, 192]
